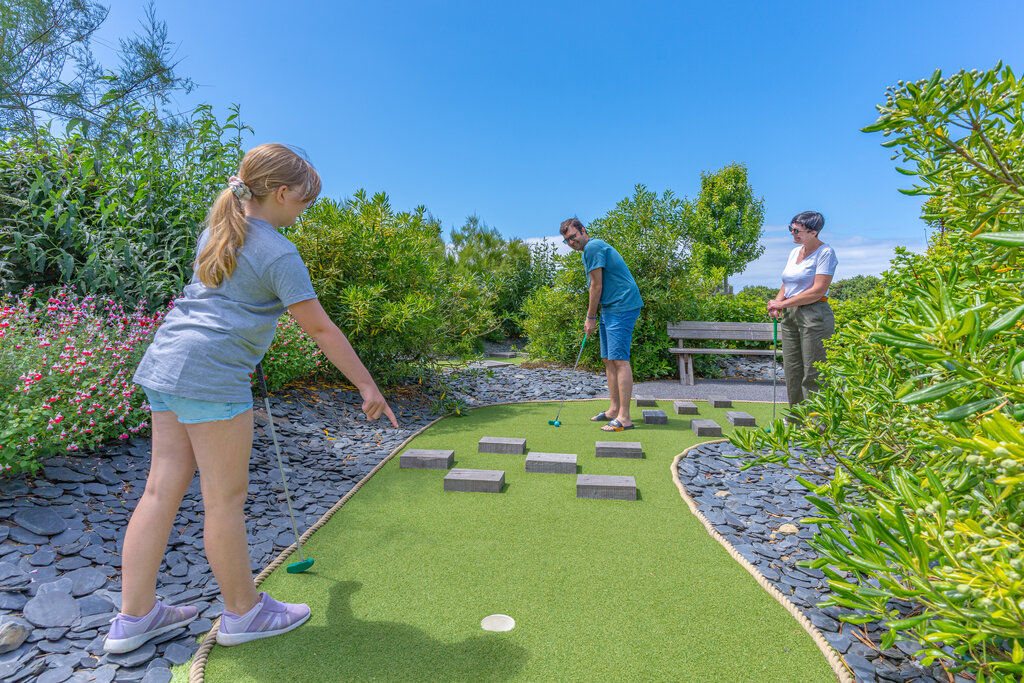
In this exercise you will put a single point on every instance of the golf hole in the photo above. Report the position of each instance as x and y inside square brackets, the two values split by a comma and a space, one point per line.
[498, 622]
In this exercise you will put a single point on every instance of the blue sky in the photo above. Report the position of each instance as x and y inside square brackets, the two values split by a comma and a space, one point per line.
[526, 113]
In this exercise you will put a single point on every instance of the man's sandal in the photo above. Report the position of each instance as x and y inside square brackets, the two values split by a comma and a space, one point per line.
[616, 426]
[600, 417]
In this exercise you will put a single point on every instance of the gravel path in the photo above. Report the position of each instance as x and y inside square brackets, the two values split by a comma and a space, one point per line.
[60, 533]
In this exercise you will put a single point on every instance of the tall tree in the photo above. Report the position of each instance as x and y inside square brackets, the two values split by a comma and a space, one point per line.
[48, 70]
[726, 221]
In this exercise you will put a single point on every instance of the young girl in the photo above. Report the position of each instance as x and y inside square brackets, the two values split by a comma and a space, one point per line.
[196, 378]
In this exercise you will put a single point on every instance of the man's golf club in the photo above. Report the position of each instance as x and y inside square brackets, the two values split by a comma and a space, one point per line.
[304, 563]
[555, 422]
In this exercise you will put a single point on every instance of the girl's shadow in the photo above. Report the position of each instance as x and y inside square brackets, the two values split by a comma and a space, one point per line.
[347, 649]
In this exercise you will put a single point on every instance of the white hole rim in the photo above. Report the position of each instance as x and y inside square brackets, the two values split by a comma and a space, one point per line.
[498, 623]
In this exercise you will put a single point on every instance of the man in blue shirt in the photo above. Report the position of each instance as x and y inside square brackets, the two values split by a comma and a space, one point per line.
[613, 288]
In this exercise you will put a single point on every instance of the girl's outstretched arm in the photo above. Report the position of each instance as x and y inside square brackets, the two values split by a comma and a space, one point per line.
[315, 322]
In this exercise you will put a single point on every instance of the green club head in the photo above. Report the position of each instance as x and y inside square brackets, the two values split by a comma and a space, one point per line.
[555, 423]
[299, 567]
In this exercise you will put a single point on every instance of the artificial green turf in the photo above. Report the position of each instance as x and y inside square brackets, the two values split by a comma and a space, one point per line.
[600, 590]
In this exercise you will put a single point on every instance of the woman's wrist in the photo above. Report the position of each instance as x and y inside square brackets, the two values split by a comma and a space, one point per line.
[592, 317]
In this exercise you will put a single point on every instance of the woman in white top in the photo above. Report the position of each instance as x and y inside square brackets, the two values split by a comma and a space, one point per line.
[802, 304]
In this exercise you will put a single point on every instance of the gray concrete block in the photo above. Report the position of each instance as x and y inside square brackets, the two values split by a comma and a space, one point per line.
[719, 402]
[504, 354]
[474, 481]
[685, 407]
[500, 444]
[618, 449]
[605, 487]
[555, 463]
[655, 417]
[705, 428]
[645, 401]
[425, 459]
[738, 418]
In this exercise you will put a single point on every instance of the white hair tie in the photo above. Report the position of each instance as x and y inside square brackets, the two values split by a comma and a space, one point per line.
[239, 188]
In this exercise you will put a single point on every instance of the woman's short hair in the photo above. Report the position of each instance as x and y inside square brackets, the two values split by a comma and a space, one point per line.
[811, 220]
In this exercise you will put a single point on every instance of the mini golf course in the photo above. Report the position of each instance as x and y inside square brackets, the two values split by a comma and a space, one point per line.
[600, 590]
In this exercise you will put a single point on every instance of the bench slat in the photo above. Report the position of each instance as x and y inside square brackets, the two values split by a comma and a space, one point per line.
[690, 325]
[741, 335]
[730, 352]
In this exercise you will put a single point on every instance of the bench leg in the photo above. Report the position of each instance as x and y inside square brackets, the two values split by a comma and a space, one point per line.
[685, 369]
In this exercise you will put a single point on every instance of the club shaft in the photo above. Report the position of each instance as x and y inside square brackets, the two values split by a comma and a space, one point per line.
[578, 356]
[775, 362]
[280, 463]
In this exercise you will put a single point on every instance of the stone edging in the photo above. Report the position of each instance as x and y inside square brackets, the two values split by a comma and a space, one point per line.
[842, 673]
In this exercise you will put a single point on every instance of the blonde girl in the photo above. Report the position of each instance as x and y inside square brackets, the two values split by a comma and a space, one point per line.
[196, 378]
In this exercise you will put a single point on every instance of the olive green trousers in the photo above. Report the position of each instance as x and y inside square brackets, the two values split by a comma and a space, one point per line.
[803, 330]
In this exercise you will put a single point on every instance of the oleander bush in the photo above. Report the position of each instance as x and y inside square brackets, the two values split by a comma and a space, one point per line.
[116, 213]
[66, 363]
[382, 277]
[919, 525]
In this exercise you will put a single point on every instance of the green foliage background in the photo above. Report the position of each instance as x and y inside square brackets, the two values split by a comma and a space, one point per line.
[511, 269]
[116, 215]
[923, 399]
[382, 277]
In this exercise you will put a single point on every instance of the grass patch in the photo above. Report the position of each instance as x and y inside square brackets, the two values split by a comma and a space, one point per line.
[600, 590]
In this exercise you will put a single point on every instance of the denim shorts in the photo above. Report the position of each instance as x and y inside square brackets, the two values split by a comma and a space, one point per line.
[193, 411]
[616, 332]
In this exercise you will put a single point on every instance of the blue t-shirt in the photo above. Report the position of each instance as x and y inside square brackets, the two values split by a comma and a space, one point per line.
[211, 340]
[620, 292]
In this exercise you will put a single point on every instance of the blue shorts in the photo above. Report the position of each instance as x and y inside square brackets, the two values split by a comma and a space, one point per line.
[616, 332]
[193, 411]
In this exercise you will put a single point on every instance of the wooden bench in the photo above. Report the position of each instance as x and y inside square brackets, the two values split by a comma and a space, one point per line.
[693, 329]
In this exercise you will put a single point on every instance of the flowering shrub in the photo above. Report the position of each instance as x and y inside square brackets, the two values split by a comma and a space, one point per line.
[65, 374]
[293, 356]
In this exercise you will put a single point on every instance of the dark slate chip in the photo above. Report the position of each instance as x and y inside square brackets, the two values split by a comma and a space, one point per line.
[133, 658]
[52, 609]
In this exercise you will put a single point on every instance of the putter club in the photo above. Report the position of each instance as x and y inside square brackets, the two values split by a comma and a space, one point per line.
[555, 422]
[304, 563]
[775, 363]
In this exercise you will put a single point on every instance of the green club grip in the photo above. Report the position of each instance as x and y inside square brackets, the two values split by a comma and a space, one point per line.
[775, 330]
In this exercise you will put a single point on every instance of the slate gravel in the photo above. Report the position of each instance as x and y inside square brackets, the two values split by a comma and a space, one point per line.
[750, 508]
[60, 533]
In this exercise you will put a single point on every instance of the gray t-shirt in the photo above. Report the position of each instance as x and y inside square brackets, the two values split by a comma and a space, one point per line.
[211, 340]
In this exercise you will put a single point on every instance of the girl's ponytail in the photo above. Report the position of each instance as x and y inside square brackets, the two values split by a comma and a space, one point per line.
[216, 261]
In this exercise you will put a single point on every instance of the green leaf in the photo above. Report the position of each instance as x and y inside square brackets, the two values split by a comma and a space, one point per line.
[903, 624]
[966, 410]
[899, 341]
[1003, 322]
[935, 391]
[1003, 239]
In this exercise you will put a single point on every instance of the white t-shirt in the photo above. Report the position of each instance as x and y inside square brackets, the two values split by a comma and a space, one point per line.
[799, 277]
